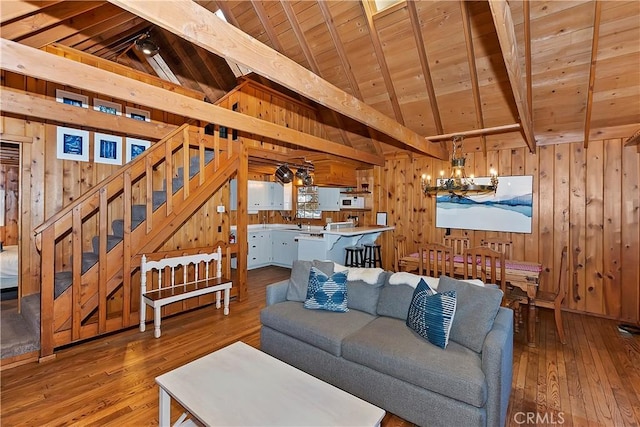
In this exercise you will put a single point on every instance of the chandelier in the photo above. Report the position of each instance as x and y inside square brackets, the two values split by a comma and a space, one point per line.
[458, 184]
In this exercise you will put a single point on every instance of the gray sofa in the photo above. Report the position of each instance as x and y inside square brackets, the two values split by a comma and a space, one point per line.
[370, 352]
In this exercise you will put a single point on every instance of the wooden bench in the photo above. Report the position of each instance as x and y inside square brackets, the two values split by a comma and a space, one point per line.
[194, 281]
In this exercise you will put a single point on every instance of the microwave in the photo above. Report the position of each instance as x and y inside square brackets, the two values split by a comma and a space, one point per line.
[353, 202]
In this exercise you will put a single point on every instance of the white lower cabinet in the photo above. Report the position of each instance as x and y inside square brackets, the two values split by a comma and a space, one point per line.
[259, 254]
[284, 248]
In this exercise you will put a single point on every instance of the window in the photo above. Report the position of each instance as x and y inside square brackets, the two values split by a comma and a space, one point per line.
[307, 203]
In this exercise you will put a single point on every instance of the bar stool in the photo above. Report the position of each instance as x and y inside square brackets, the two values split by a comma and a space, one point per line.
[372, 255]
[354, 256]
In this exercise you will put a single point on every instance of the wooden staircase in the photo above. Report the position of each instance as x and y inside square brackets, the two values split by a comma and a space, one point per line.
[83, 263]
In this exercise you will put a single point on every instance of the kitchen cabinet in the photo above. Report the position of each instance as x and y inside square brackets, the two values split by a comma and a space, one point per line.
[284, 248]
[328, 199]
[262, 196]
[259, 254]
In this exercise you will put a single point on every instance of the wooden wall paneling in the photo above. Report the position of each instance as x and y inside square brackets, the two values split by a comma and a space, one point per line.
[34, 212]
[545, 212]
[560, 212]
[594, 223]
[531, 167]
[612, 228]
[630, 244]
[517, 169]
[492, 160]
[578, 228]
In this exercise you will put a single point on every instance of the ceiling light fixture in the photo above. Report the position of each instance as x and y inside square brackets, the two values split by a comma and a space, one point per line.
[458, 184]
[146, 45]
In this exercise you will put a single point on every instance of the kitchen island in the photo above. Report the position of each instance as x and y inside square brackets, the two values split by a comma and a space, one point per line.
[330, 245]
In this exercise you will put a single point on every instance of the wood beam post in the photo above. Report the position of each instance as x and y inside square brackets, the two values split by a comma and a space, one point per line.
[506, 36]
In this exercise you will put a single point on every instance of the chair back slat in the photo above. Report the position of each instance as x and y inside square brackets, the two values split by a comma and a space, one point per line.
[435, 260]
[487, 265]
[457, 243]
[500, 245]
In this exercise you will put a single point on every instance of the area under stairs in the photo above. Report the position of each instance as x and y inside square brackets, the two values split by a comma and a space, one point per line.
[64, 279]
[20, 332]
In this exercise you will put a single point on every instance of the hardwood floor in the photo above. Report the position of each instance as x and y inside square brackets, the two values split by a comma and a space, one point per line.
[593, 380]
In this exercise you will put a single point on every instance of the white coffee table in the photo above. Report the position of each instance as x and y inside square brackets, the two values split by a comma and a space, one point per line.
[241, 386]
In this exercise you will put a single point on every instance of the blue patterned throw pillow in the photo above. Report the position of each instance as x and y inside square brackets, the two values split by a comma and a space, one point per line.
[327, 292]
[431, 314]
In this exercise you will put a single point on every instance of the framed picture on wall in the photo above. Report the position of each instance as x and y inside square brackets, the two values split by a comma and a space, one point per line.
[107, 107]
[135, 147]
[72, 144]
[107, 149]
[72, 98]
[138, 114]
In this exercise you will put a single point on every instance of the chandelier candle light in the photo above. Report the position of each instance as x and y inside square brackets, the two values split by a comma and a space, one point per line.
[458, 184]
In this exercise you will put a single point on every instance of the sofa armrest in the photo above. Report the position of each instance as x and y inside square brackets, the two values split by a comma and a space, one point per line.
[277, 292]
[497, 364]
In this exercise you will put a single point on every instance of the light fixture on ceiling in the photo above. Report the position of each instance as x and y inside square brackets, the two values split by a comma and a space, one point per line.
[146, 45]
[458, 183]
[284, 174]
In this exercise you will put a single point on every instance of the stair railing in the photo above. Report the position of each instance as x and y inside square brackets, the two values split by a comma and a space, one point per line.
[64, 238]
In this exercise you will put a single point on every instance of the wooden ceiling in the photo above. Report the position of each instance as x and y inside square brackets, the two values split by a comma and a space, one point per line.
[522, 73]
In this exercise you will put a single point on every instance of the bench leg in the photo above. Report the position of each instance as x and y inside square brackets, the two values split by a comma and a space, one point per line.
[226, 301]
[217, 299]
[156, 321]
[143, 315]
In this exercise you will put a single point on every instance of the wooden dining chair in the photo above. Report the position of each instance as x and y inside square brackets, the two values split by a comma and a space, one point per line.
[458, 243]
[400, 254]
[553, 299]
[500, 245]
[435, 260]
[485, 264]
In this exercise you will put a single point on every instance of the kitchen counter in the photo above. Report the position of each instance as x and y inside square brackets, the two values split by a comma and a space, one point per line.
[314, 242]
[354, 231]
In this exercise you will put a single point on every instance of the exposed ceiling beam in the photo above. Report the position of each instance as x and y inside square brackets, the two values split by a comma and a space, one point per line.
[369, 10]
[313, 65]
[527, 54]
[44, 18]
[20, 102]
[506, 36]
[477, 132]
[196, 24]
[97, 29]
[15, 9]
[112, 35]
[424, 64]
[263, 16]
[473, 71]
[71, 26]
[35, 63]
[592, 71]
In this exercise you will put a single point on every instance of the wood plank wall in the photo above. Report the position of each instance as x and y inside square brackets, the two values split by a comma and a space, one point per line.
[585, 198]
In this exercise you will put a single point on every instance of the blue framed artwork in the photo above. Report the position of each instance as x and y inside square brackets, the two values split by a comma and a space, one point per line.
[138, 114]
[107, 149]
[107, 107]
[135, 147]
[72, 144]
[72, 98]
[510, 209]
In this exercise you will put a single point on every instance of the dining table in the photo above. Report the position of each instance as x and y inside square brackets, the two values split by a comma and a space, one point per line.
[524, 275]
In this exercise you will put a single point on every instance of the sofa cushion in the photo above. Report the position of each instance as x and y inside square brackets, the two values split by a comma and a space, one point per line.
[388, 346]
[326, 292]
[363, 294]
[431, 314]
[299, 280]
[322, 329]
[476, 310]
